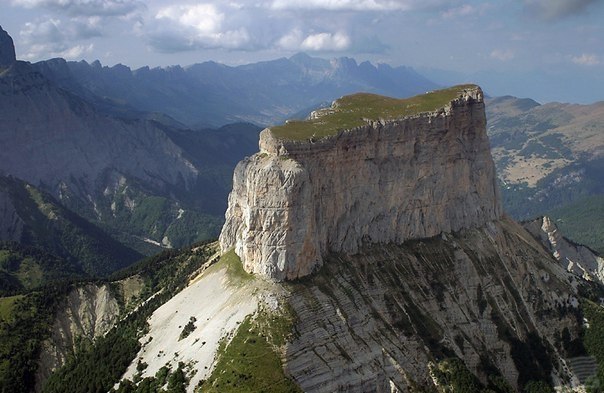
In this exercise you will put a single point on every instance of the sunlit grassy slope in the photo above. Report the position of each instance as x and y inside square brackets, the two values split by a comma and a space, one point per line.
[353, 111]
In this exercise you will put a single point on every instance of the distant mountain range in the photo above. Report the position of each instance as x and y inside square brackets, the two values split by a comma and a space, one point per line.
[129, 151]
[550, 160]
[213, 94]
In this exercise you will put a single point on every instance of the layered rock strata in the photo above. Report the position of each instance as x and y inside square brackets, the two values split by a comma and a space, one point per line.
[384, 182]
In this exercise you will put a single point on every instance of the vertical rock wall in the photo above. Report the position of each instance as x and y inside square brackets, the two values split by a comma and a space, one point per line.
[385, 182]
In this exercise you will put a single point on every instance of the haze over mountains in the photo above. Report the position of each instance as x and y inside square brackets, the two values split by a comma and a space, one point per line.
[414, 278]
[213, 94]
[125, 148]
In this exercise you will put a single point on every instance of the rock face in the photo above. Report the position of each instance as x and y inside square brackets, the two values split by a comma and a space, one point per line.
[378, 320]
[89, 312]
[575, 258]
[384, 182]
[7, 49]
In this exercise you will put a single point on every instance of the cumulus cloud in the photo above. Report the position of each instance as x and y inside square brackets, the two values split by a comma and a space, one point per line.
[586, 59]
[317, 42]
[326, 42]
[50, 38]
[356, 5]
[85, 7]
[557, 9]
[188, 27]
[502, 54]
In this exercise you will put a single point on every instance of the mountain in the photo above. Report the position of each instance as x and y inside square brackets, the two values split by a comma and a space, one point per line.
[213, 94]
[550, 160]
[144, 182]
[433, 288]
[75, 247]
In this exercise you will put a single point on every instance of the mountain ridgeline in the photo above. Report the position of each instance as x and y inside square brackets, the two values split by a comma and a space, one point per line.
[409, 175]
[364, 249]
[213, 94]
[413, 279]
[550, 161]
[148, 184]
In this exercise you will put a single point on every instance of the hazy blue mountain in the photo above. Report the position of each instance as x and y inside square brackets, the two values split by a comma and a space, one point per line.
[215, 94]
[147, 183]
[550, 160]
[64, 244]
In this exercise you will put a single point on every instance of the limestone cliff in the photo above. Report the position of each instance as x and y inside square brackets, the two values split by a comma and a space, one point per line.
[387, 180]
[575, 258]
[89, 312]
[378, 321]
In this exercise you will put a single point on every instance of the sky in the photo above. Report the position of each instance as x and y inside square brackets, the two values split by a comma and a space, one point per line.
[549, 50]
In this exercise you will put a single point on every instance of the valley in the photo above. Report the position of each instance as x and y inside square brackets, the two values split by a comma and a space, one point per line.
[369, 244]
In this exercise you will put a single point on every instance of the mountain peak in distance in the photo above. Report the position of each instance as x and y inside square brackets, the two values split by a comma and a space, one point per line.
[7, 49]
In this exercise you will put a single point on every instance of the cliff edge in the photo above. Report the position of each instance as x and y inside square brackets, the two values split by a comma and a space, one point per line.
[370, 169]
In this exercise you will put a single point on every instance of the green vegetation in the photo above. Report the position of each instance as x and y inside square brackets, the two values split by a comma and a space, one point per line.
[7, 305]
[175, 381]
[351, 111]
[96, 367]
[24, 268]
[81, 246]
[133, 215]
[454, 377]
[593, 338]
[235, 271]
[582, 221]
[251, 361]
[24, 325]
[188, 329]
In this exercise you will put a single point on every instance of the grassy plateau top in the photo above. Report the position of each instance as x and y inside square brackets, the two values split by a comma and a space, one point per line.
[357, 109]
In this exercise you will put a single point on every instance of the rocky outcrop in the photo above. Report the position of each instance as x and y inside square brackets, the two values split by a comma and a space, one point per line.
[11, 225]
[384, 182]
[376, 321]
[575, 258]
[89, 312]
[7, 49]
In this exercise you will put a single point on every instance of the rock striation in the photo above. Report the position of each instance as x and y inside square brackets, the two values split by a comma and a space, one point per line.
[7, 49]
[386, 181]
[575, 258]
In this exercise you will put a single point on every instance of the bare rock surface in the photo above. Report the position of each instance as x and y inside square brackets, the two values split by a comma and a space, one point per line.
[575, 258]
[375, 321]
[89, 311]
[385, 182]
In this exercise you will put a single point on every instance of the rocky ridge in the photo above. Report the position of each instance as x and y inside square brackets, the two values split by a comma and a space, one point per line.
[7, 49]
[387, 181]
[575, 258]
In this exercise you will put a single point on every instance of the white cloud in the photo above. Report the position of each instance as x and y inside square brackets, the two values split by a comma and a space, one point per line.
[291, 41]
[502, 54]
[205, 18]
[49, 38]
[187, 27]
[354, 5]
[326, 42]
[586, 59]
[85, 7]
[295, 40]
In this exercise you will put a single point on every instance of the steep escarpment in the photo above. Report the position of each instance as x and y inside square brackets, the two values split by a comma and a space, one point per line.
[7, 49]
[383, 319]
[576, 258]
[403, 169]
[87, 313]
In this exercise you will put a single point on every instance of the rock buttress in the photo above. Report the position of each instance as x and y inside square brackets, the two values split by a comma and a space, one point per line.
[385, 182]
